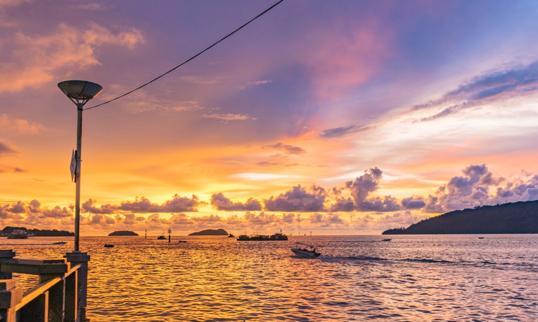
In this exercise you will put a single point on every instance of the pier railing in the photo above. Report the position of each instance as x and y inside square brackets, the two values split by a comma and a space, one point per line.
[60, 295]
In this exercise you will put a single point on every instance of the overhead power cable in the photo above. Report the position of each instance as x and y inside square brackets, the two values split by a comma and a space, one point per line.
[189, 59]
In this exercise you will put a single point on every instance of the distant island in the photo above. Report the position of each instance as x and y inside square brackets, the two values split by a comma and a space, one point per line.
[210, 232]
[509, 218]
[35, 232]
[123, 233]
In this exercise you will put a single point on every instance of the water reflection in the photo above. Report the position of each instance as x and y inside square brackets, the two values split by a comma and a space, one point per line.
[356, 278]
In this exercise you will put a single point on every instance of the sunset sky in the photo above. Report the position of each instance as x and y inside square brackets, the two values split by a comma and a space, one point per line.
[336, 117]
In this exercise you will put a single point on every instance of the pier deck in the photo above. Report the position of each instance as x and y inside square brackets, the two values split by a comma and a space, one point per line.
[60, 295]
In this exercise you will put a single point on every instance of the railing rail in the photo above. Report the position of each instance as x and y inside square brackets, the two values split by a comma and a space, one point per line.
[59, 297]
[37, 292]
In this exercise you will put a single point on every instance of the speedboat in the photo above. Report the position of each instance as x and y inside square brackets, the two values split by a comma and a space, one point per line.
[305, 251]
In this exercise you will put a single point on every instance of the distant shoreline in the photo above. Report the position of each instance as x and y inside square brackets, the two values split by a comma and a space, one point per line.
[510, 218]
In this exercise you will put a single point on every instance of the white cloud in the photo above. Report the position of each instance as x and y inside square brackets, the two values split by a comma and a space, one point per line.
[228, 116]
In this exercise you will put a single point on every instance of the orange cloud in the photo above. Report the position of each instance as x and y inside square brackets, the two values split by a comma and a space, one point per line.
[20, 126]
[228, 116]
[65, 48]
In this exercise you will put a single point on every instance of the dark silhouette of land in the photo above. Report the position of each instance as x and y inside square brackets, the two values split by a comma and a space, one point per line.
[210, 232]
[35, 232]
[277, 236]
[123, 233]
[510, 218]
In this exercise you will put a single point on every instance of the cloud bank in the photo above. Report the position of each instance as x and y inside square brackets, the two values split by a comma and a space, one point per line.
[321, 208]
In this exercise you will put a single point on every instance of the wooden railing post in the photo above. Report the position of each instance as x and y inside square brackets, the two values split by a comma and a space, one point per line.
[57, 302]
[10, 295]
[5, 256]
[71, 298]
[82, 259]
[55, 298]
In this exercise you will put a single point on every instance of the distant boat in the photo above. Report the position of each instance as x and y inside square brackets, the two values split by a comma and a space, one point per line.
[274, 237]
[480, 237]
[305, 251]
[59, 243]
[18, 234]
[387, 239]
[231, 236]
[161, 237]
[181, 241]
[109, 245]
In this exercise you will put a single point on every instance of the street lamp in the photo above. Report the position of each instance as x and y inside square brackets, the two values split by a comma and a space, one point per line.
[79, 92]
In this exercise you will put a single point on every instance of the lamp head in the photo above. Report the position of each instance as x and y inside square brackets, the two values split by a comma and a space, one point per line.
[79, 91]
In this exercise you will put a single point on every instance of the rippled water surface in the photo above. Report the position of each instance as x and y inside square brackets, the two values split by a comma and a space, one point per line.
[411, 278]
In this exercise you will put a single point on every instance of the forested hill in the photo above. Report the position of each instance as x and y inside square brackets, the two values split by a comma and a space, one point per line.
[510, 218]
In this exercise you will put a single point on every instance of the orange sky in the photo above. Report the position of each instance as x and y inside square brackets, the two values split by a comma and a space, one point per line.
[320, 100]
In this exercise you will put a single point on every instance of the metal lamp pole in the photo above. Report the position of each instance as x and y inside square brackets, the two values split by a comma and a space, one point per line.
[79, 92]
[80, 108]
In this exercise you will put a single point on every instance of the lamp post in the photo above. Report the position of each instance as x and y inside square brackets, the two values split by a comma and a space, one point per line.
[79, 92]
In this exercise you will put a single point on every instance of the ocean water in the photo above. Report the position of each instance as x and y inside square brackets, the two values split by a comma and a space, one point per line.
[357, 278]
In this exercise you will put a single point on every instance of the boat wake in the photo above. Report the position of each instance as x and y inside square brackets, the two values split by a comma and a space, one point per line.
[529, 267]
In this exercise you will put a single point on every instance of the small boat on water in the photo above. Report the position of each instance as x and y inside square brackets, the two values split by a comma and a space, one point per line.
[274, 237]
[305, 251]
[161, 237]
[387, 239]
[480, 237]
[109, 245]
[18, 234]
[59, 243]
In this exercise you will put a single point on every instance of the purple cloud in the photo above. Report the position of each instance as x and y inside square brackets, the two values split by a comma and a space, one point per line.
[291, 149]
[510, 82]
[337, 132]
[220, 202]
[298, 199]
[413, 202]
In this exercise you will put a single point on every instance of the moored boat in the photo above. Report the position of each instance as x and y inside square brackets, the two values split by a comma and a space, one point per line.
[18, 234]
[274, 237]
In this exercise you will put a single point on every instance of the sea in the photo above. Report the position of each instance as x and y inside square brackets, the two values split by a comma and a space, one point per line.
[357, 278]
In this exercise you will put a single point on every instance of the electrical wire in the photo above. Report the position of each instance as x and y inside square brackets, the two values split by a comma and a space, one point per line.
[189, 59]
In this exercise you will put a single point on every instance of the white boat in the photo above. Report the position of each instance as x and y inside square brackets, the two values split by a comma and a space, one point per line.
[305, 251]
